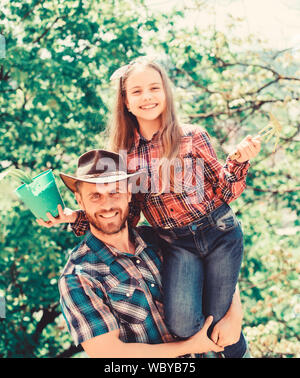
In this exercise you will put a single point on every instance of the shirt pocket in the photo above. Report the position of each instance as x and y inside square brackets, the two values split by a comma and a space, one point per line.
[129, 301]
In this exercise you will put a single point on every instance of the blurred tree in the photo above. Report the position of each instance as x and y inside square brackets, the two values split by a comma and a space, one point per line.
[225, 85]
[54, 96]
[55, 99]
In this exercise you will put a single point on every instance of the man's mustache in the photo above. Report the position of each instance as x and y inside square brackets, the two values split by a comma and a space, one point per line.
[110, 211]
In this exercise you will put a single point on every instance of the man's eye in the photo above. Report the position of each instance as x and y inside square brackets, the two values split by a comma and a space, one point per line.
[95, 196]
[114, 194]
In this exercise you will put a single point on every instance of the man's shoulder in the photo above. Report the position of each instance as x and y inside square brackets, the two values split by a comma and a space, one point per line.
[76, 257]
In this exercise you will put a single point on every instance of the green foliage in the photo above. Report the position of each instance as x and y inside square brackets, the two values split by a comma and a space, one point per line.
[55, 101]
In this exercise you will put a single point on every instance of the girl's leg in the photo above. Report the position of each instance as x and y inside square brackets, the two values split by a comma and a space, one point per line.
[182, 289]
[222, 262]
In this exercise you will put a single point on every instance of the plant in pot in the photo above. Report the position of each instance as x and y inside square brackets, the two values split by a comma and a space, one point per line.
[40, 193]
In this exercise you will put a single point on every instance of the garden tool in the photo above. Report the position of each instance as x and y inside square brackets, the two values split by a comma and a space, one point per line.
[272, 128]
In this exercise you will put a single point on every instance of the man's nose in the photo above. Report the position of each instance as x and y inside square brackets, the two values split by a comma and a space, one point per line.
[107, 203]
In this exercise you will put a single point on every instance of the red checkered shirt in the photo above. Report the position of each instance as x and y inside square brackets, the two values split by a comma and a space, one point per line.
[206, 182]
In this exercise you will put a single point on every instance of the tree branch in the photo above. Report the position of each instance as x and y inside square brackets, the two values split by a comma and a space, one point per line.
[70, 351]
[31, 10]
[276, 191]
[46, 31]
[49, 314]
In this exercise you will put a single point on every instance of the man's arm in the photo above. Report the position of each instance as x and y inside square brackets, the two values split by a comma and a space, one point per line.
[228, 330]
[109, 345]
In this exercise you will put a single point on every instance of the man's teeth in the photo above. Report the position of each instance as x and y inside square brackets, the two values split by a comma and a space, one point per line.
[109, 215]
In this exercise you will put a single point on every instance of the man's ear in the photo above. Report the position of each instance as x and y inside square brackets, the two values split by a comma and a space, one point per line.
[79, 200]
[129, 191]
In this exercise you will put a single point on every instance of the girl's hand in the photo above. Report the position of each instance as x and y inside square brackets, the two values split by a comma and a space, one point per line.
[64, 216]
[248, 148]
[200, 342]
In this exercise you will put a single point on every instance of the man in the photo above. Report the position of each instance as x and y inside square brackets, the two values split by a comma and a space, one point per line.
[110, 288]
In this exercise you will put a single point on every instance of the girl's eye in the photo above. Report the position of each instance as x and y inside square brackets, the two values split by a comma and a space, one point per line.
[136, 92]
[155, 88]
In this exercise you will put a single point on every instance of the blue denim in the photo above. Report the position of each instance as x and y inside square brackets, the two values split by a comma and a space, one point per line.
[201, 266]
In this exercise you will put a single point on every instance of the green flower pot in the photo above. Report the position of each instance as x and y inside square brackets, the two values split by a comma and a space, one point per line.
[41, 195]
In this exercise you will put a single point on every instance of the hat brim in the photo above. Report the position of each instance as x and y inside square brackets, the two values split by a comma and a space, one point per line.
[70, 181]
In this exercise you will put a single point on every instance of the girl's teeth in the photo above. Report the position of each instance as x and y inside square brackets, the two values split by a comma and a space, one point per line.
[148, 106]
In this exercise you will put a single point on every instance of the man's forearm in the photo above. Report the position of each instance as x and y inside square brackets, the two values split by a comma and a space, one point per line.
[235, 308]
[110, 346]
[140, 350]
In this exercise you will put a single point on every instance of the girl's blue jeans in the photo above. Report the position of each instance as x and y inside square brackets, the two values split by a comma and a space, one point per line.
[201, 266]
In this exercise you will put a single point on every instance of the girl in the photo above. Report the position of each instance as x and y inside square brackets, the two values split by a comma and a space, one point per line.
[204, 242]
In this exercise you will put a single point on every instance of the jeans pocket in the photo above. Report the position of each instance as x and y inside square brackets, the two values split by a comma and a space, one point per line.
[227, 221]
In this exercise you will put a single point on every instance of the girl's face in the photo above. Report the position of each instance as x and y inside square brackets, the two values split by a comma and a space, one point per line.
[145, 95]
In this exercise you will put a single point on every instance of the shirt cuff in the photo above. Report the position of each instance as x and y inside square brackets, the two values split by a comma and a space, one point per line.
[239, 169]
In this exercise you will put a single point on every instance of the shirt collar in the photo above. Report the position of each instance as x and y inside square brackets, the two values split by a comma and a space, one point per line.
[109, 254]
[138, 137]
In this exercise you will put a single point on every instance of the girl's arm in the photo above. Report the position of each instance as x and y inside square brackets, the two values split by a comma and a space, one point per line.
[77, 219]
[134, 210]
[229, 180]
[79, 222]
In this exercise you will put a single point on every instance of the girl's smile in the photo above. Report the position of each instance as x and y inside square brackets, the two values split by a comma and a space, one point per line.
[148, 107]
[145, 96]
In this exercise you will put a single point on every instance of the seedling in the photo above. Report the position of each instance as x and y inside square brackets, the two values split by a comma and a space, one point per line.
[17, 174]
[273, 128]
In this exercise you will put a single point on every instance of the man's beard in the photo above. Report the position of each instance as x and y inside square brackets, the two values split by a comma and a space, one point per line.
[108, 228]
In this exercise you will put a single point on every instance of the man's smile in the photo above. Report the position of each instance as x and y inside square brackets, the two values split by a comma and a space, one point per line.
[109, 215]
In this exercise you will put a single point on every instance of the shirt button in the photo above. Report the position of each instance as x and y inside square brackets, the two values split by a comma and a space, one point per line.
[152, 285]
[127, 295]
[138, 261]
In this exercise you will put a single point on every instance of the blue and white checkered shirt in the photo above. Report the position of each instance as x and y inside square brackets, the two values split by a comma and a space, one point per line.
[103, 289]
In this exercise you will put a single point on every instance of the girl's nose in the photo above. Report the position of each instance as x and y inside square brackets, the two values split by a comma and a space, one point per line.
[147, 95]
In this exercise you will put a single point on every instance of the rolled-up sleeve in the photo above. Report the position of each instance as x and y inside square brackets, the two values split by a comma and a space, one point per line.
[229, 180]
[81, 225]
[84, 308]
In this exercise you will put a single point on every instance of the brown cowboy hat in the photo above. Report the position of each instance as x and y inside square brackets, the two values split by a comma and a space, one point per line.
[98, 167]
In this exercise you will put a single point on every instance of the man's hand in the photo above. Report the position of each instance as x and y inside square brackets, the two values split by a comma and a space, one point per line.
[227, 331]
[248, 148]
[201, 343]
[64, 216]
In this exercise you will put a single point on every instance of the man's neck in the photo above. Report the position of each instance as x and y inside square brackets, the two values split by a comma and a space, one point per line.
[121, 240]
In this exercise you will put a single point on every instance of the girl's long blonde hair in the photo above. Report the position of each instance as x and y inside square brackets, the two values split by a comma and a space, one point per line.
[123, 122]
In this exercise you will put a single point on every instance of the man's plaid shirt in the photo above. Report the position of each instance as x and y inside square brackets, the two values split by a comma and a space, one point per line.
[102, 289]
[172, 210]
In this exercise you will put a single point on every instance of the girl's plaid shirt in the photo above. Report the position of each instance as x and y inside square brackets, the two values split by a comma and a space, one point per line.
[206, 186]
